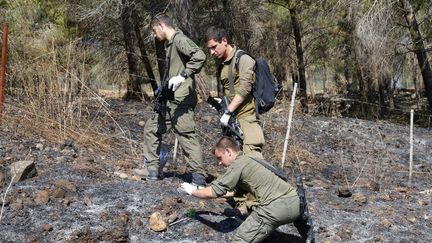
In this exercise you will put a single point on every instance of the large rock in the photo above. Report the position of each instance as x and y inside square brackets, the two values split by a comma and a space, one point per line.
[156, 222]
[22, 170]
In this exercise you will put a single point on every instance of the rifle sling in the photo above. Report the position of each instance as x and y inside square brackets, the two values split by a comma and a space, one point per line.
[270, 167]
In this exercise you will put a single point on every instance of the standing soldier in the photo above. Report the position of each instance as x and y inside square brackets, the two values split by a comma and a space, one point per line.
[242, 104]
[176, 102]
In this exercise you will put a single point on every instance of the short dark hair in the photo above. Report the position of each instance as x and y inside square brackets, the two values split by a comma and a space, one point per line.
[216, 33]
[226, 142]
[161, 18]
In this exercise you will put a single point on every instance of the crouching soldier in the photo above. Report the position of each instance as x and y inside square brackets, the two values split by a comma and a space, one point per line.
[277, 201]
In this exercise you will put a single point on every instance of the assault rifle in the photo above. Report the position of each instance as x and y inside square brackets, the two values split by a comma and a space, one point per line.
[160, 101]
[233, 128]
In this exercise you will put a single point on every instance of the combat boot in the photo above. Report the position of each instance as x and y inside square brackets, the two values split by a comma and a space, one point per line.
[153, 175]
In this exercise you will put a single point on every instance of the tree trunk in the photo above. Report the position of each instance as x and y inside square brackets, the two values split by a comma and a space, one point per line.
[300, 58]
[133, 84]
[160, 56]
[183, 12]
[144, 56]
[419, 49]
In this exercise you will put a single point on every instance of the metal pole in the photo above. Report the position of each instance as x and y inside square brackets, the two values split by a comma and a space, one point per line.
[289, 124]
[3, 69]
[411, 148]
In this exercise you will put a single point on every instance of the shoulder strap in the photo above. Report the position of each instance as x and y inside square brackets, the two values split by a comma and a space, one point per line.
[270, 167]
[235, 60]
[219, 84]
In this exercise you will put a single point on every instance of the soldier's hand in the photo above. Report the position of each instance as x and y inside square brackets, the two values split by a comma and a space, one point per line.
[218, 100]
[225, 119]
[175, 82]
[189, 188]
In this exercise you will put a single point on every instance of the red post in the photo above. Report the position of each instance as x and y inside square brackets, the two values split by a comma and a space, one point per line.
[3, 69]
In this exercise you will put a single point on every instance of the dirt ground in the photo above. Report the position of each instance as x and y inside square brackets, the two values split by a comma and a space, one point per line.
[81, 194]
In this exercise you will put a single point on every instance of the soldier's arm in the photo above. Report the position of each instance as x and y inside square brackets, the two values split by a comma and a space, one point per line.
[196, 56]
[209, 193]
[246, 81]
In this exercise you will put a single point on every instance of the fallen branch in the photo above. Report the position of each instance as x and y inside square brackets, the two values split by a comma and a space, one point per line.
[4, 196]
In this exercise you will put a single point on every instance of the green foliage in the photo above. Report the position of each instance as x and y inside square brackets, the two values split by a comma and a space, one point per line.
[191, 213]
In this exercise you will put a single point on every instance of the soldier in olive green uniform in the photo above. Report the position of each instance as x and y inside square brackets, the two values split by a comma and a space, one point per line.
[278, 202]
[242, 101]
[186, 59]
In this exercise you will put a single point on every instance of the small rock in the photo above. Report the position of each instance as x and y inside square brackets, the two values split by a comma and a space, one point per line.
[32, 239]
[67, 143]
[42, 197]
[137, 222]
[360, 198]
[302, 163]
[421, 202]
[123, 175]
[123, 218]
[136, 178]
[141, 123]
[386, 223]
[39, 146]
[171, 218]
[66, 202]
[47, 227]
[344, 192]
[67, 185]
[374, 186]
[378, 238]
[69, 152]
[17, 205]
[344, 232]
[58, 193]
[401, 189]
[156, 222]
[2, 179]
[87, 201]
[412, 219]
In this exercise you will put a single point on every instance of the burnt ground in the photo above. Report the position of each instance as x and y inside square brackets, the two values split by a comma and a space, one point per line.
[82, 194]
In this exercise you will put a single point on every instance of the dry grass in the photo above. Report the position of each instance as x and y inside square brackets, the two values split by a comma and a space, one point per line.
[51, 96]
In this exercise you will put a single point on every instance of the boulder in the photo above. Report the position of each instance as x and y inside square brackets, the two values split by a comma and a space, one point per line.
[22, 170]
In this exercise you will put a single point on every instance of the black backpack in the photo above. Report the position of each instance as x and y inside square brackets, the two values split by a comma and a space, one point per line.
[265, 88]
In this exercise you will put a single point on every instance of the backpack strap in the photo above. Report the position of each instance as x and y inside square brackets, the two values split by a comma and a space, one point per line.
[237, 63]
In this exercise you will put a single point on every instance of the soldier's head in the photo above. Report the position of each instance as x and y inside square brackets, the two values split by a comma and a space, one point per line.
[226, 151]
[217, 42]
[162, 26]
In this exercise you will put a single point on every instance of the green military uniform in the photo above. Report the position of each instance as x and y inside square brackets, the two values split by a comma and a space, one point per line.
[277, 202]
[244, 79]
[179, 113]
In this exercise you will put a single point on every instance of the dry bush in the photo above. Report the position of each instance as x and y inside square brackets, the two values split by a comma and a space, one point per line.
[52, 97]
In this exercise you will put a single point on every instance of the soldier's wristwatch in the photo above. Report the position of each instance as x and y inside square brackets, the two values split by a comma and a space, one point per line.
[184, 74]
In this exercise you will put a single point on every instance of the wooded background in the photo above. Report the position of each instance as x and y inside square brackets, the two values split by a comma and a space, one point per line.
[357, 52]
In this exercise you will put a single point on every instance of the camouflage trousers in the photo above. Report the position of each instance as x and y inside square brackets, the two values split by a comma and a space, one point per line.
[181, 119]
[253, 141]
[265, 219]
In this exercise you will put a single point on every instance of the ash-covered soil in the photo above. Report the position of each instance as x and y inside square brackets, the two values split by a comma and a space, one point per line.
[81, 194]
